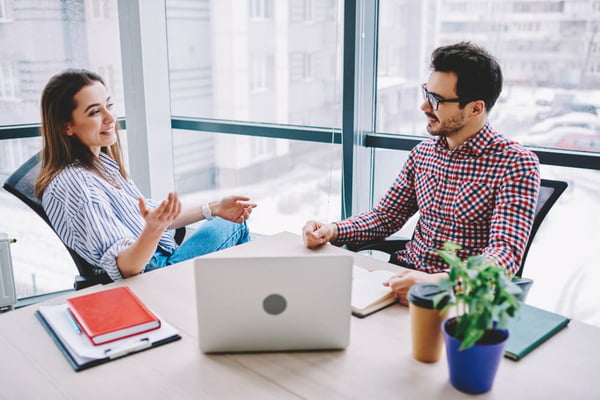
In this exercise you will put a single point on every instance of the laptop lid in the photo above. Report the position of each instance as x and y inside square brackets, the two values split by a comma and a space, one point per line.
[249, 304]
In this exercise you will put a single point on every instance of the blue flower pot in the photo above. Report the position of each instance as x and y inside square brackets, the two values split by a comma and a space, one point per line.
[473, 370]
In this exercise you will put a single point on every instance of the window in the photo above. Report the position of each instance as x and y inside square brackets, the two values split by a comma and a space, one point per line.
[8, 82]
[301, 67]
[280, 61]
[259, 72]
[292, 181]
[307, 67]
[302, 11]
[101, 9]
[554, 76]
[275, 72]
[260, 9]
[4, 14]
[307, 14]
[27, 60]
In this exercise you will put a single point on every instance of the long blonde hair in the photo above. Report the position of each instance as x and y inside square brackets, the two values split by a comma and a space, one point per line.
[58, 149]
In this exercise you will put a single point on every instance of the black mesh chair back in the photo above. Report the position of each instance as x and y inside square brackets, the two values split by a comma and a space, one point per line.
[21, 184]
[550, 191]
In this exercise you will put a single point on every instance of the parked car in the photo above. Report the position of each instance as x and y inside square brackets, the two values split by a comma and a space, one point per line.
[574, 131]
[572, 119]
[576, 141]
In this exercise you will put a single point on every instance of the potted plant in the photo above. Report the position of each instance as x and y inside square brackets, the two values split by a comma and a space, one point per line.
[484, 299]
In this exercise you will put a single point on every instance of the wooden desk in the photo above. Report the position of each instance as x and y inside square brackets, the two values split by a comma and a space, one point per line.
[376, 365]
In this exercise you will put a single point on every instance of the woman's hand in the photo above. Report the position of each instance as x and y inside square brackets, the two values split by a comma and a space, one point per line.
[133, 259]
[161, 217]
[233, 208]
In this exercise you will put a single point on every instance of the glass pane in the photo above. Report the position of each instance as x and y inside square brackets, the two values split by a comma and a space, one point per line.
[292, 181]
[563, 256]
[41, 264]
[38, 39]
[84, 34]
[549, 52]
[256, 60]
[387, 164]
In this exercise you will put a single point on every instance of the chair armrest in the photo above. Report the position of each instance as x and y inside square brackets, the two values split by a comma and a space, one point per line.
[179, 234]
[82, 282]
[525, 284]
[388, 245]
[96, 276]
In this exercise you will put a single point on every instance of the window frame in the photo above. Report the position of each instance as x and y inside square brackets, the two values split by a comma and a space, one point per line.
[357, 136]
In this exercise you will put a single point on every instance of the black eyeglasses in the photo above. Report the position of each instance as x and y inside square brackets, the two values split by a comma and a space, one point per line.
[434, 100]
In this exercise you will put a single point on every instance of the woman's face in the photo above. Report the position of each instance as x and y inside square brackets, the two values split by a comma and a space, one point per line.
[92, 121]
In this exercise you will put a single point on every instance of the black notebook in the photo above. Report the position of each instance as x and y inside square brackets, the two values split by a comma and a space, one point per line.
[81, 353]
[532, 327]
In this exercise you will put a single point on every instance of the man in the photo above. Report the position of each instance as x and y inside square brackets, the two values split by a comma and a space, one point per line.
[469, 184]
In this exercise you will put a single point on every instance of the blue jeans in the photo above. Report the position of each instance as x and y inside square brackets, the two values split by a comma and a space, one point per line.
[209, 237]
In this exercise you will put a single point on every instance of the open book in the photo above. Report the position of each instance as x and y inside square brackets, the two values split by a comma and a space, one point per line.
[368, 293]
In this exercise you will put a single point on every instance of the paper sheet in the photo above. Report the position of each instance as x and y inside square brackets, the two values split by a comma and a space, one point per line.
[83, 350]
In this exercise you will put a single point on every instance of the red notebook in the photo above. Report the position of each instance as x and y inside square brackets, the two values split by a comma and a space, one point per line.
[112, 314]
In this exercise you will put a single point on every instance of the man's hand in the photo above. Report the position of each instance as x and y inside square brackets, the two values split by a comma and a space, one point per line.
[401, 282]
[233, 208]
[316, 233]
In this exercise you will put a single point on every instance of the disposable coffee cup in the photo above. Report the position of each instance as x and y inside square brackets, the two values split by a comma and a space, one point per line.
[426, 322]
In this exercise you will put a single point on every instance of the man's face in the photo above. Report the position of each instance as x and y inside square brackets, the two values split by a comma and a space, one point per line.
[449, 118]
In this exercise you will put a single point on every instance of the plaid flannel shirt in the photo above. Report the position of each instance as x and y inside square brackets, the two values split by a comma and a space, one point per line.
[481, 195]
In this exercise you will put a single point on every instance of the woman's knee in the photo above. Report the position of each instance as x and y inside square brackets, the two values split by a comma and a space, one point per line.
[227, 232]
[237, 233]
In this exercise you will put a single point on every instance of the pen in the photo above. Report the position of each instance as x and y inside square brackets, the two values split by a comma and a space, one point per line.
[121, 351]
[73, 322]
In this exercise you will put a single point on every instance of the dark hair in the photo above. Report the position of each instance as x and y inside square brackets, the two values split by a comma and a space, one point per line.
[58, 149]
[479, 74]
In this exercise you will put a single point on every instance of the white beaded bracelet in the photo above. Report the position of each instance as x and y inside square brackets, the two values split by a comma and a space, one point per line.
[206, 212]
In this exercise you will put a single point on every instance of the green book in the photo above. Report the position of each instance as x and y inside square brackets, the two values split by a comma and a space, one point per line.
[532, 327]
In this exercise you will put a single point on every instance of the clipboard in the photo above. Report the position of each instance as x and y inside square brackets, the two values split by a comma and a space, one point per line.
[81, 353]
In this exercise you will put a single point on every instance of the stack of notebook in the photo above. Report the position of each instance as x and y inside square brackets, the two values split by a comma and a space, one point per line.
[95, 328]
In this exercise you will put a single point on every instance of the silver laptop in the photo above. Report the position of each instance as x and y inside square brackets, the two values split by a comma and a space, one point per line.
[251, 304]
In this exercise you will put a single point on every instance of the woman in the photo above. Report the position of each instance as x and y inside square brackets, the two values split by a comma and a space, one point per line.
[93, 205]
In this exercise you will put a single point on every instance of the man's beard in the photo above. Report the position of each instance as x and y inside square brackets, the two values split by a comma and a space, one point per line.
[449, 126]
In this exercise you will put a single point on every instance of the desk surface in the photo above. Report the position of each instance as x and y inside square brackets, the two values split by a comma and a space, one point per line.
[376, 365]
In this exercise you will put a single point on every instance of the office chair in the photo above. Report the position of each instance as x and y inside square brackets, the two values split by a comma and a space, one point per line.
[21, 184]
[550, 191]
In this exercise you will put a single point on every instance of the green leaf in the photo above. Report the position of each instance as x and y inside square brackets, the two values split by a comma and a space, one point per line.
[439, 297]
[471, 337]
[487, 295]
[445, 284]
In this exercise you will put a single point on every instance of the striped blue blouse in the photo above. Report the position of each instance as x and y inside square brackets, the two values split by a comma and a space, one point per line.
[96, 219]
